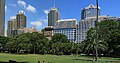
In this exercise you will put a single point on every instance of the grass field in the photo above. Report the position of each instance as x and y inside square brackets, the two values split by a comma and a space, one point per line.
[34, 58]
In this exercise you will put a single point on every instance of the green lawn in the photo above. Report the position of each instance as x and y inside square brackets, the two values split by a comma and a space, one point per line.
[34, 58]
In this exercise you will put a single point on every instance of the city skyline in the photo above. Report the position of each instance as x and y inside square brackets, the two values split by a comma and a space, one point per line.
[36, 12]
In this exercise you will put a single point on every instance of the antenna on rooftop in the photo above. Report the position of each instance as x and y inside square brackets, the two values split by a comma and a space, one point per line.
[54, 4]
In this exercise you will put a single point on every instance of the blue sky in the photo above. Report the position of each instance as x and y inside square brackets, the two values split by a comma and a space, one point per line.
[36, 10]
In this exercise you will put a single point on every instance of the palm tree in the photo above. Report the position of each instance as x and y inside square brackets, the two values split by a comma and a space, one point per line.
[94, 44]
[97, 29]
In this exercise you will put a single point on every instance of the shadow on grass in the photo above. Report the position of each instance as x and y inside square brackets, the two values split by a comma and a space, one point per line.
[14, 62]
[84, 59]
[91, 60]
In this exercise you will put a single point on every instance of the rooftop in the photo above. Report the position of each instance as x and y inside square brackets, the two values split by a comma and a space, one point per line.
[21, 12]
[91, 6]
[67, 20]
[66, 23]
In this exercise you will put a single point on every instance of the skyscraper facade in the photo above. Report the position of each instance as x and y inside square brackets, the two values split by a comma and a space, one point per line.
[66, 27]
[88, 23]
[2, 17]
[21, 20]
[53, 16]
[12, 27]
[88, 20]
[90, 11]
[17, 24]
[77, 32]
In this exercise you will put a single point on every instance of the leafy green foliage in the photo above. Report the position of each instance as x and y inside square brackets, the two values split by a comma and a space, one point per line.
[105, 37]
[59, 38]
[3, 41]
[38, 44]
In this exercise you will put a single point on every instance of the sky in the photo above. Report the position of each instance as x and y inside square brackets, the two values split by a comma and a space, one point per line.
[36, 11]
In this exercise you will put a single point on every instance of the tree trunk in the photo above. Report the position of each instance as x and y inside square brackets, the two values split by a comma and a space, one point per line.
[34, 49]
[97, 33]
[93, 54]
[99, 54]
[17, 50]
[96, 54]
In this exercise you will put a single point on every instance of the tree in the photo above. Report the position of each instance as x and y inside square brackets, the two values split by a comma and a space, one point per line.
[59, 38]
[39, 43]
[94, 44]
[29, 43]
[109, 32]
[23, 43]
[3, 41]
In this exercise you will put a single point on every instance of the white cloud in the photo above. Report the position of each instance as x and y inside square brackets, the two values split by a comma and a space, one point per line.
[22, 3]
[12, 17]
[42, 22]
[28, 7]
[36, 23]
[5, 7]
[31, 8]
[46, 11]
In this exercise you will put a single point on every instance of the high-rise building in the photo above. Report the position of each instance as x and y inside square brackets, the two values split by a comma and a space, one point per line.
[15, 24]
[88, 20]
[90, 11]
[12, 27]
[86, 24]
[77, 32]
[53, 16]
[21, 20]
[66, 27]
[2, 17]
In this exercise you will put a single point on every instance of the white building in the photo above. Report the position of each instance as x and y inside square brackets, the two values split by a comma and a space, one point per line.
[66, 27]
[86, 24]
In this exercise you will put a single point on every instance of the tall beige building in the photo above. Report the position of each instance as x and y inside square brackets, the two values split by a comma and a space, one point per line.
[12, 27]
[53, 16]
[21, 20]
[2, 17]
[17, 24]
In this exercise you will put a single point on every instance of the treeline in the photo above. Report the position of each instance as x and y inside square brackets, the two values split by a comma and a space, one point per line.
[36, 43]
[103, 39]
